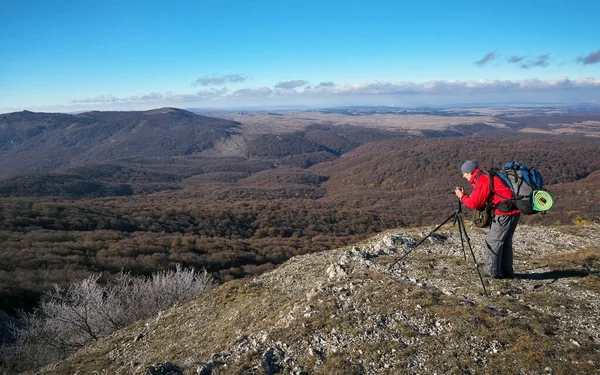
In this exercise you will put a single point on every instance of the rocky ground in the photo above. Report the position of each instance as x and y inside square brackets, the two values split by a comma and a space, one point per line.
[346, 311]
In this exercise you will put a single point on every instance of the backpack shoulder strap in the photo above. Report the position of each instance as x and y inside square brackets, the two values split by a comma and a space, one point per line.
[491, 178]
[491, 175]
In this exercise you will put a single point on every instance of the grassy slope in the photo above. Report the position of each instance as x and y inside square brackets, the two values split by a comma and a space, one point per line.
[342, 312]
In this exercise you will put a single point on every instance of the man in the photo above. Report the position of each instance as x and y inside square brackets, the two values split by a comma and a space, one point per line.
[498, 242]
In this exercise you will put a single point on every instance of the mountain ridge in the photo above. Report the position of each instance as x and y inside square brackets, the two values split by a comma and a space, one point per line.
[32, 142]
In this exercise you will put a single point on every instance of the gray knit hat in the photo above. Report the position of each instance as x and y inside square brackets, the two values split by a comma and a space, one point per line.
[469, 166]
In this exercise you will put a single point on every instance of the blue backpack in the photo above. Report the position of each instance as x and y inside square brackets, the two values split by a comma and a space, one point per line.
[527, 186]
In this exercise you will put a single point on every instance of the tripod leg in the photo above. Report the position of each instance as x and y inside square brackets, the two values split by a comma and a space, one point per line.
[461, 229]
[472, 254]
[420, 242]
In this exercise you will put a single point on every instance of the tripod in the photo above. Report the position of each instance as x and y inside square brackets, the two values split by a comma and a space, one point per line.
[464, 237]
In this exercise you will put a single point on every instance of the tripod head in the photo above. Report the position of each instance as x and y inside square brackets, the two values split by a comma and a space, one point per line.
[457, 214]
[459, 207]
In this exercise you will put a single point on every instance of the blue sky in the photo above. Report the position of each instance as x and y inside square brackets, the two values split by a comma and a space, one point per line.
[66, 56]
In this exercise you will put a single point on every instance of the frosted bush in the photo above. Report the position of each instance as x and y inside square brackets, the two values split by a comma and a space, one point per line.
[87, 311]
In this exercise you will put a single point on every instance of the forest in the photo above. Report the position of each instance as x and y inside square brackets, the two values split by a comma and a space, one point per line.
[301, 192]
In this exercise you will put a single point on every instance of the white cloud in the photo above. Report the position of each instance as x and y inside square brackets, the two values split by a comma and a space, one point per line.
[369, 92]
[291, 84]
[99, 99]
[252, 93]
[450, 87]
[157, 97]
[219, 80]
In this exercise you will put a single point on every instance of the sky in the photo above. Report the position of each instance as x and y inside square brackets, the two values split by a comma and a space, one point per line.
[69, 56]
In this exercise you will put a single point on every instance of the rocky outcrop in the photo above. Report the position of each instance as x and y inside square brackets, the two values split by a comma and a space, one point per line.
[347, 311]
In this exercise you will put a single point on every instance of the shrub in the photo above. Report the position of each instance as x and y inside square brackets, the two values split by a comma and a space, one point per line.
[87, 311]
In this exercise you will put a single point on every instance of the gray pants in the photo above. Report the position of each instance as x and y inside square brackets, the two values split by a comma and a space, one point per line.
[498, 246]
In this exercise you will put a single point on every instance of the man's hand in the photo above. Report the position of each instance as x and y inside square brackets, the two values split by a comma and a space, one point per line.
[459, 192]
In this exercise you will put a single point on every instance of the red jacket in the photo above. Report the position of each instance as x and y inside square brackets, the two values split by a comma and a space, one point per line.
[481, 192]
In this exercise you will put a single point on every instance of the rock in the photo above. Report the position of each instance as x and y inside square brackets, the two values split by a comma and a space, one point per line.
[216, 361]
[336, 271]
[273, 360]
[165, 368]
[435, 237]
[299, 371]
[575, 343]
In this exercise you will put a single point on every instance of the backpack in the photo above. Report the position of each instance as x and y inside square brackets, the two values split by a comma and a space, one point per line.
[527, 186]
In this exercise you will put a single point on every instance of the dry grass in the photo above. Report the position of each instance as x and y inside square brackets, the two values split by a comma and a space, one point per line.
[586, 259]
[370, 323]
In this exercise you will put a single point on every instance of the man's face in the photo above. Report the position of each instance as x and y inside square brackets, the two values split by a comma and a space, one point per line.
[467, 176]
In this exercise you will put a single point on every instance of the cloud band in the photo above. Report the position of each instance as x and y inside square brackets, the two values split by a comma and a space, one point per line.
[370, 88]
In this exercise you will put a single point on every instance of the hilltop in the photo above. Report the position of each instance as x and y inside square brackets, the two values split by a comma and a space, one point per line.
[344, 311]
